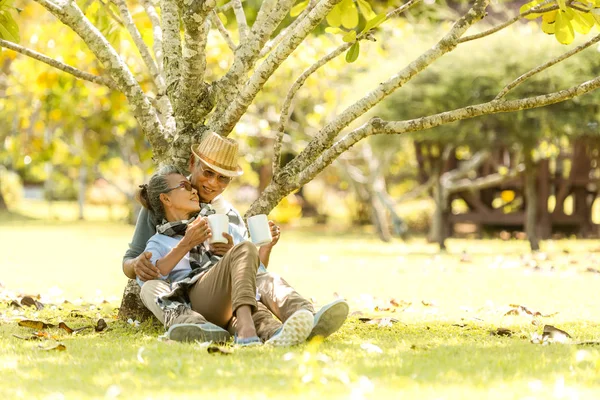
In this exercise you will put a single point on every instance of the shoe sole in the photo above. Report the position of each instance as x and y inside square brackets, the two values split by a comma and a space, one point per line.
[193, 332]
[295, 330]
[331, 320]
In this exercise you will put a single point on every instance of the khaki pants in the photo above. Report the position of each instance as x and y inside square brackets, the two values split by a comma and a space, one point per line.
[229, 284]
[277, 298]
[150, 292]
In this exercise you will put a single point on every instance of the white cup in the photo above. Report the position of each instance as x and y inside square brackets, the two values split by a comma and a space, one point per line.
[219, 224]
[260, 232]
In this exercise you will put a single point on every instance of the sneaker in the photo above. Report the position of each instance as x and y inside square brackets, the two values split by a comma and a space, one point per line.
[294, 331]
[329, 318]
[182, 314]
[205, 332]
[247, 342]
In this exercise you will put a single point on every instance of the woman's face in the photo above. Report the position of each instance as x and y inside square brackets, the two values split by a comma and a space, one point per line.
[180, 199]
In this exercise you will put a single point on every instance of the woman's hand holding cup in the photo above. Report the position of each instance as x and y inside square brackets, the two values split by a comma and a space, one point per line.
[197, 232]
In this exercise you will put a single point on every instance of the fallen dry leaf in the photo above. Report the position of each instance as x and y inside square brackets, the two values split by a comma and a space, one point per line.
[520, 310]
[101, 325]
[15, 304]
[29, 337]
[55, 346]
[381, 322]
[214, 349]
[502, 332]
[28, 323]
[431, 303]
[594, 270]
[552, 333]
[31, 302]
[64, 326]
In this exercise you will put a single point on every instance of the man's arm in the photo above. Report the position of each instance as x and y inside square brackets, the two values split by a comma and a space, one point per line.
[135, 261]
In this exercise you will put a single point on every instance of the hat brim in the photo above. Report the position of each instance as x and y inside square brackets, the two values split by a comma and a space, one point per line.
[225, 172]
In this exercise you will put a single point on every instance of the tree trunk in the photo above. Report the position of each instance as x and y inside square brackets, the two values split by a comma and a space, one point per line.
[132, 306]
[268, 199]
[532, 201]
[81, 192]
[3, 205]
[380, 219]
[438, 230]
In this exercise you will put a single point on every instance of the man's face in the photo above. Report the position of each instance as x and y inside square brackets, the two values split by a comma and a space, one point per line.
[208, 182]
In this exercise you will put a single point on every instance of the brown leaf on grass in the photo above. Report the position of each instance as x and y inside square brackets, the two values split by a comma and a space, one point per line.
[28, 337]
[55, 346]
[520, 310]
[385, 309]
[83, 328]
[28, 323]
[214, 349]
[429, 303]
[400, 304]
[594, 270]
[64, 326]
[15, 304]
[381, 322]
[75, 314]
[31, 302]
[101, 325]
[555, 334]
[589, 343]
[502, 332]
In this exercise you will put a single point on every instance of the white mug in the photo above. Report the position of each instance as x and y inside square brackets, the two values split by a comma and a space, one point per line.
[219, 224]
[260, 232]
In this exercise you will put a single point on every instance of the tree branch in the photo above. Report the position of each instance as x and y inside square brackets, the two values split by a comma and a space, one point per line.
[285, 112]
[141, 46]
[270, 15]
[100, 80]
[72, 16]
[214, 17]
[156, 33]
[286, 108]
[223, 124]
[171, 46]
[539, 9]
[324, 139]
[378, 126]
[277, 39]
[542, 67]
[240, 17]
[193, 91]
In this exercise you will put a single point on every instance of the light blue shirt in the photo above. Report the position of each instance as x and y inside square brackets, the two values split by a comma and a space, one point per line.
[160, 245]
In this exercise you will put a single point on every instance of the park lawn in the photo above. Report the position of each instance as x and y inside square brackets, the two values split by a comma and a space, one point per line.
[440, 346]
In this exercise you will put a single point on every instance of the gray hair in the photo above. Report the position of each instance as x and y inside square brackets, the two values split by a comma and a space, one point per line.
[149, 194]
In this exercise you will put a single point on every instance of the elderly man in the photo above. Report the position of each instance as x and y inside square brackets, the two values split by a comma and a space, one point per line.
[213, 164]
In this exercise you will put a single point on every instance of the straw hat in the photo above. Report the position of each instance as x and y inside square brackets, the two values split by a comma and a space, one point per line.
[218, 153]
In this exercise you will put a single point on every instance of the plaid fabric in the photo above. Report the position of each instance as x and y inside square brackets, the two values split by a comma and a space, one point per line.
[201, 259]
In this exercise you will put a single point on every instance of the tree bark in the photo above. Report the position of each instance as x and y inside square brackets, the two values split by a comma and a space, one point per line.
[437, 233]
[3, 205]
[532, 201]
[132, 306]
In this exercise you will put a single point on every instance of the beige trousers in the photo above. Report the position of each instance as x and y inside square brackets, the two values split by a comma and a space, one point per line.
[229, 284]
[150, 292]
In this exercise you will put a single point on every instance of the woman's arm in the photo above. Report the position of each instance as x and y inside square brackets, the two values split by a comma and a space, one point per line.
[196, 233]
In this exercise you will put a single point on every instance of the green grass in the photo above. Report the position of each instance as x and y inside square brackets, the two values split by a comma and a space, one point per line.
[440, 352]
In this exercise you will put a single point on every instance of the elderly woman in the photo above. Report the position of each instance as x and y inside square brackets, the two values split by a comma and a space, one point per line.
[218, 288]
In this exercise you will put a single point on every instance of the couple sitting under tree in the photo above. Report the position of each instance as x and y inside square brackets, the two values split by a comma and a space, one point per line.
[207, 291]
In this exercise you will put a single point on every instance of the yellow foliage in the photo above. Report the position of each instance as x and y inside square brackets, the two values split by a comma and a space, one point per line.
[507, 196]
[288, 210]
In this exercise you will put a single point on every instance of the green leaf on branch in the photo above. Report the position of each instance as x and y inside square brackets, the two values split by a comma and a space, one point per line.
[349, 37]
[298, 8]
[352, 53]
[9, 30]
[335, 31]
[349, 14]
[563, 29]
[366, 10]
[334, 18]
[375, 22]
